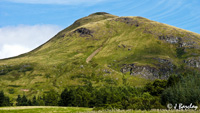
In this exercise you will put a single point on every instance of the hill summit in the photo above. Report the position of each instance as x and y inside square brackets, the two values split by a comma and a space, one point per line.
[103, 49]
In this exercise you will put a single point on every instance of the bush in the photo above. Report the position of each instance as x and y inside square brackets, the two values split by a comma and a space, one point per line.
[186, 91]
[156, 88]
[180, 51]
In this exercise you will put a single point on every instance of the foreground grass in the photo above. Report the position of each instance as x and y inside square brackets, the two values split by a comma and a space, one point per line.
[50, 109]
[139, 111]
[43, 109]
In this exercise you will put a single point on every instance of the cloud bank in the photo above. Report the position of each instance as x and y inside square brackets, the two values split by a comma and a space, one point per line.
[66, 2]
[16, 40]
[12, 50]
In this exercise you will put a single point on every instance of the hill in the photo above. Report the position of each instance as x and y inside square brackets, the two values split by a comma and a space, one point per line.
[102, 49]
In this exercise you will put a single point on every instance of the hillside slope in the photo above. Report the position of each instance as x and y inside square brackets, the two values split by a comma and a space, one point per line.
[102, 49]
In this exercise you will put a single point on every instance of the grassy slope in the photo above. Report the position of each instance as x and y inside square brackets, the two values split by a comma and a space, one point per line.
[61, 61]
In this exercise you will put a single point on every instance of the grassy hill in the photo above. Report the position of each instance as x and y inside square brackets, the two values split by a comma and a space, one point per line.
[105, 50]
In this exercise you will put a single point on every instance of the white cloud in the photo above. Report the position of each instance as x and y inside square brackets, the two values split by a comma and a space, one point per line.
[12, 50]
[15, 40]
[67, 2]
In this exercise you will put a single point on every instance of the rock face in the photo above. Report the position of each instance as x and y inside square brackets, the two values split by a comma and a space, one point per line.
[83, 32]
[178, 40]
[170, 39]
[145, 71]
[162, 70]
[187, 44]
[166, 67]
[193, 62]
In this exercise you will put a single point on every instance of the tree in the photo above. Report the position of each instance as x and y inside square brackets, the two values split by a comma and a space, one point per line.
[40, 101]
[82, 97]
[1, 98]
[156, 88]
[68, 97]
[29, 103]
[19, 99]
[172, 80]
[24, 101]
[4, 100]
[185, 91]
[34, 101]
[51, 98]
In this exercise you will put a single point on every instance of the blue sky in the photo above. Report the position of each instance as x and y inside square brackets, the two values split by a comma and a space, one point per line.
[26, 24]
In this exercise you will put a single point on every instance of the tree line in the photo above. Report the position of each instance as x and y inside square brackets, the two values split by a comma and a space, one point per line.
[179, 88]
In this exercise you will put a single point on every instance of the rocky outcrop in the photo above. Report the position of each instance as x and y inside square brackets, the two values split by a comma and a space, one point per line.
[162, 70]
[170, 39]
[189, 44]
[193, 62]
[128, 21]
[178, 40]
[145, 71]
[84, 32]
[165, 65]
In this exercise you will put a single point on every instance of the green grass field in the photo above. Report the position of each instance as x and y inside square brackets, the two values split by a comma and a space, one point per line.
[43, 109]
[50, 109]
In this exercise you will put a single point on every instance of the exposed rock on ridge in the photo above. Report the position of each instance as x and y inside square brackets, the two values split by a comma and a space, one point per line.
[193, 62]
[163, 70]
[178, 40]
[83, 32]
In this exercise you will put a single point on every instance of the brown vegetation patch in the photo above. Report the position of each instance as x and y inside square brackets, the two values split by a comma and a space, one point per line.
[128, 21]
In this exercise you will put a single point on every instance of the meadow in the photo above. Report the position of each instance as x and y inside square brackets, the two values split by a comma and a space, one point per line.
[43, 109]
[54, 109]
